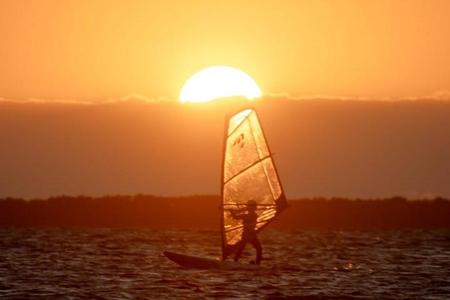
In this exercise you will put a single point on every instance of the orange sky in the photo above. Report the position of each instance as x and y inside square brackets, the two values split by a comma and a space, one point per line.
[103, 49]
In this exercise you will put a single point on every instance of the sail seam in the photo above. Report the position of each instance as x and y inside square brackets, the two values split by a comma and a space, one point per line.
[237, 204]
[245, 169]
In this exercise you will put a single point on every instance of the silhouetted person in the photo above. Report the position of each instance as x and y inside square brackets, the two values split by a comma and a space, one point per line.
[248, 232]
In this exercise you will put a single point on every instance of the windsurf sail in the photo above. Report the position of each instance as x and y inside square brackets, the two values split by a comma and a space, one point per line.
[249, 173]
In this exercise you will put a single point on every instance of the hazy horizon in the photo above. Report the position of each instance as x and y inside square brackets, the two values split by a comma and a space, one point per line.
[355, 149]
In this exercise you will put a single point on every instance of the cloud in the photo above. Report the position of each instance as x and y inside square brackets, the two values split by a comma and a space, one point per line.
[141, 98]
[288, 96]
[441, 95]
[45, 101]
[128, 98]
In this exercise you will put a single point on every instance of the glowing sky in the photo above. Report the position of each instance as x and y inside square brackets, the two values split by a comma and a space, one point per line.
[101, 49]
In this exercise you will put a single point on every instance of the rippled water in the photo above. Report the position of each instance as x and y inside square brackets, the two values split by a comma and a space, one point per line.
[127, 263]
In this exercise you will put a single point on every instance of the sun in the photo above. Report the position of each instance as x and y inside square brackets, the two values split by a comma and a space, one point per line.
[219, 82]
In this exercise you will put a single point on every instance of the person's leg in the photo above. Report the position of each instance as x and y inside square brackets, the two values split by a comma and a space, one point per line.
[239, 249]
[257, 245]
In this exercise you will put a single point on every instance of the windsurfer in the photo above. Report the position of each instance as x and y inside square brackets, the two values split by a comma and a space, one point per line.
[248, 233]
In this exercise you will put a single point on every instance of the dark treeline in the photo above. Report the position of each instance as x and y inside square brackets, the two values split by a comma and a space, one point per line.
[204, 212]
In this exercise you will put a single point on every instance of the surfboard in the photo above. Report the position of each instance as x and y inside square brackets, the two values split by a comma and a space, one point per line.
[248, 173]
[197, 262]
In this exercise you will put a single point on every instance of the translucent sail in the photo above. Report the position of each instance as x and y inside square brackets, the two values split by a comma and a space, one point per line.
[249, 173]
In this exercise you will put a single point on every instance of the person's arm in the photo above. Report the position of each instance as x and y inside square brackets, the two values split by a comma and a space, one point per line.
[235, 215]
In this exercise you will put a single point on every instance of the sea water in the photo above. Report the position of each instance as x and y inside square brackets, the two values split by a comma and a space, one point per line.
[128, 264]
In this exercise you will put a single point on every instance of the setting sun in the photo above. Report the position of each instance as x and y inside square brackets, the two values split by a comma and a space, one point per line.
[218, 82]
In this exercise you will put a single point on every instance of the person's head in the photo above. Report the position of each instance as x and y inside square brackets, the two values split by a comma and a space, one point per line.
[251, 205]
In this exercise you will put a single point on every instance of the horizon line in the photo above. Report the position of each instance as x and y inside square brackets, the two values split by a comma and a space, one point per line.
[441, 96]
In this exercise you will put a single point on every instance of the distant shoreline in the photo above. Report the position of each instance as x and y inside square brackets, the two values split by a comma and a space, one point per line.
[203, 212]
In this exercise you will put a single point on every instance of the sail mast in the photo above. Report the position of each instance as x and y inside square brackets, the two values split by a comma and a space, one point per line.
[224, 148]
